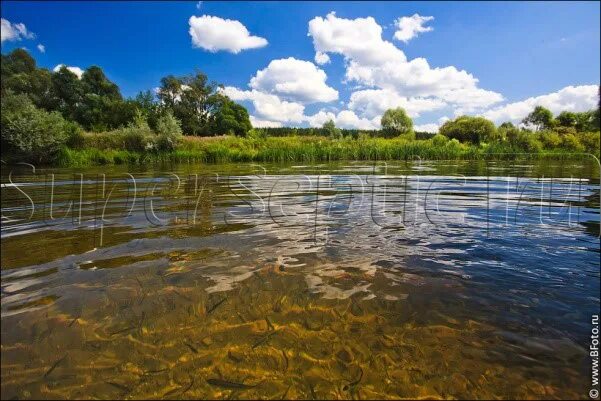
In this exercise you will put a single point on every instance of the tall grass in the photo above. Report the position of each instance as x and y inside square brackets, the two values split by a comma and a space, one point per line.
[99, 149]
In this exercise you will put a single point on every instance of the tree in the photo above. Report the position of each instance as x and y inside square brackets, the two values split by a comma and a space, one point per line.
[194, 101]
[95, 82]
[540, 118]
[469, 129]
[566, 119]
[396, 122]
[231, 118]
[66, 93]
[330, 129]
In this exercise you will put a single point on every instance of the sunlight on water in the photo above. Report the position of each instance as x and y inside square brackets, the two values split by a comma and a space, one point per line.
[398, 280]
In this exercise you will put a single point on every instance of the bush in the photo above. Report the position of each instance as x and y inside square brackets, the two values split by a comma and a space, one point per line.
[137, 136]
[439, 140]
[526, 141]
[590, 141]
[31, 133]
[169, 132]
[550, 139]
[469, 129]
[571, 142]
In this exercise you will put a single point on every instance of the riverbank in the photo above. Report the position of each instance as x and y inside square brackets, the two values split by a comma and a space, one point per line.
[97, 149]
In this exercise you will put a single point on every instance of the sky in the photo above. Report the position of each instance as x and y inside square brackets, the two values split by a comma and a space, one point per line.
[303, 63]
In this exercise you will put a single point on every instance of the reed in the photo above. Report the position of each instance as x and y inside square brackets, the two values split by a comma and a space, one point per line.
[101, 149]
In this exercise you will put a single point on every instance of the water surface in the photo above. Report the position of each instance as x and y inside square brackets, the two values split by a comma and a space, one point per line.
[354, 280]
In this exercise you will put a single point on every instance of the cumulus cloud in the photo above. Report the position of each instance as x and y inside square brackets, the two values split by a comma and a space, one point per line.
[343, 119]
[258, 123]
[430, 127]
[359, 40]
[374, 102]
[295, 80]
[13, 32]
[75, 70]
[322, 58]
[570, 98]
[409, 27]
[41, 48]
[374, 62]
[215, 34]
[268, 106]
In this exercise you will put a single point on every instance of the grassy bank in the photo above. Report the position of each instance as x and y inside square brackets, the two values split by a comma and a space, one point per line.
[101, 149]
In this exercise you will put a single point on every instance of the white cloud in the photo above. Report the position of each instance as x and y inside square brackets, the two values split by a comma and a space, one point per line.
[268, 106]
[430, 127]
[41, 48]
[374, 102]
[13, 32]
[374, 62]
[320, 118]
[75, 70]
[322, 58]
[344, 119]
[570, 98]
[295, 80]
[359, 39]
[410, 27]
[214, 34]
[258, 123]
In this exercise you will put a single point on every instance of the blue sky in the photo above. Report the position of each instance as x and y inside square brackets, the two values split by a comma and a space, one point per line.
[517, 54]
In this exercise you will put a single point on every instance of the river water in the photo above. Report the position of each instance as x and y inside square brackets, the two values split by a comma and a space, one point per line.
[349, 280]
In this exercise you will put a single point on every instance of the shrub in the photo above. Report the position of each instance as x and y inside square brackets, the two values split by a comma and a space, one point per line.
[137, 136]
[469, 129]
[527, 142]
[439, 140]
[550, 139]
[169, 132]
[571, 142]
[590, 141]
[31, 133]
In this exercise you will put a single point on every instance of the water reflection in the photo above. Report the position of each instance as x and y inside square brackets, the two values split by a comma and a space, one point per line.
[467, 280]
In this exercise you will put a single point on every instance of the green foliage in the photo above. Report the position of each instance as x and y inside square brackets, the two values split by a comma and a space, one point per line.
[439, 140]
[540, 118]
[30, 133]
[469, 129]
[571, 142]
[330, 130]
[257, 133]
[550, 139]
[169, 132]
[396, 122]
[193, 100]
[231, 118]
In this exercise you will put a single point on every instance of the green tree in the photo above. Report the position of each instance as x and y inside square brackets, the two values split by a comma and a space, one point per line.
[396, 122]
[20, 75]
[540, 118]
[231, 118]
[329, 128]
[30, 133]
[469, 129]
[566, 119]
[66, 93]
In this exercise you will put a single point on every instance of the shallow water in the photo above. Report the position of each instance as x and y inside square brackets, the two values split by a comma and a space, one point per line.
[387, 280]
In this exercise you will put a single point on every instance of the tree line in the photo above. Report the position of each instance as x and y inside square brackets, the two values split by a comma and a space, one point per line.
[42, 109]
